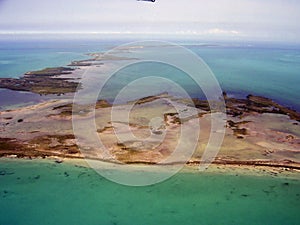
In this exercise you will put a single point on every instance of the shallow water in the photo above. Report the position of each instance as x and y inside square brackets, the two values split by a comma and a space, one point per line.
[271, 71]
[43, 192]
[20, 56]
[12, 99]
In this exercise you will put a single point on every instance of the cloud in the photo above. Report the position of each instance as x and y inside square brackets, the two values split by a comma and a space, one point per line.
[268, 19]
[215, 31]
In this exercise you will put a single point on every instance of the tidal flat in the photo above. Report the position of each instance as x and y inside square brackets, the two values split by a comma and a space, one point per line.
[257, 131]
[254, 178]
[252, 137]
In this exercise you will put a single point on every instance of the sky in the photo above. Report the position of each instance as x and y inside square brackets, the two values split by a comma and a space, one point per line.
[276, 20]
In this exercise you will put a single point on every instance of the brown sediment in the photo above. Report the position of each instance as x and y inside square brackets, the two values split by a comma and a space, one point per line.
[147, 99]
[201, 104]
[268, 105]
[102, 103]
[57, 143]
[283, 164]
[172, 118]
[64, 111]
[240, 131]
[86, 62]
[67, 110]
[258, 163]
[258, 104]
[237, 131]
[129, 157]
[33, 136]
[41, 146]
[233, 124]
[68, 106]
[8, 144]
[151, 98]
[55, 71]
[107, 128]
[252, 104]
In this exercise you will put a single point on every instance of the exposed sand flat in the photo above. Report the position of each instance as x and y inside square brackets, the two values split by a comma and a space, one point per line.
[149, 136]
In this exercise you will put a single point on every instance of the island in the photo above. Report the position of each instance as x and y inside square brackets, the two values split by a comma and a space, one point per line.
[259, 131]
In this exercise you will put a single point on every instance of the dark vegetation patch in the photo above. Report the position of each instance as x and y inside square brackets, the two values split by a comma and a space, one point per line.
[60, 143]
[10, 144]
[174, 118]
[252, 104]
[102, 104]
[46, 81]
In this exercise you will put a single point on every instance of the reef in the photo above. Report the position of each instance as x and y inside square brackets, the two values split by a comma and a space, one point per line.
[237, 107]
[44, 82]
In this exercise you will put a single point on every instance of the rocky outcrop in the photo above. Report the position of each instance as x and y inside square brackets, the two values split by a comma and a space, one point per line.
[252, 104]
[46, 81]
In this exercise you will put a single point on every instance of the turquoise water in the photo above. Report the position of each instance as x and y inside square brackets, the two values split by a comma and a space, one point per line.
[272, 71]
[18, 57]
[42, 192]
[35, 192]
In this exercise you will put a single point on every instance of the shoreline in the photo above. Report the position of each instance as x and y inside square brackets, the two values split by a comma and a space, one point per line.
[213, 169]
[45, 130]
[285, 164]
[35, 143]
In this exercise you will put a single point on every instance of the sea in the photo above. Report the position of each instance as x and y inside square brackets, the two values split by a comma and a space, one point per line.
[270, 70]
[44, 192]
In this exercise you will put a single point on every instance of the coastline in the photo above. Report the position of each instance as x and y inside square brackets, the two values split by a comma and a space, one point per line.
[213, 169]
[246, 124]
[17, 141]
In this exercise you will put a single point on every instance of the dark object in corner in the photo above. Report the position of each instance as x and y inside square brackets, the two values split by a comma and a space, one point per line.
[146, 0]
